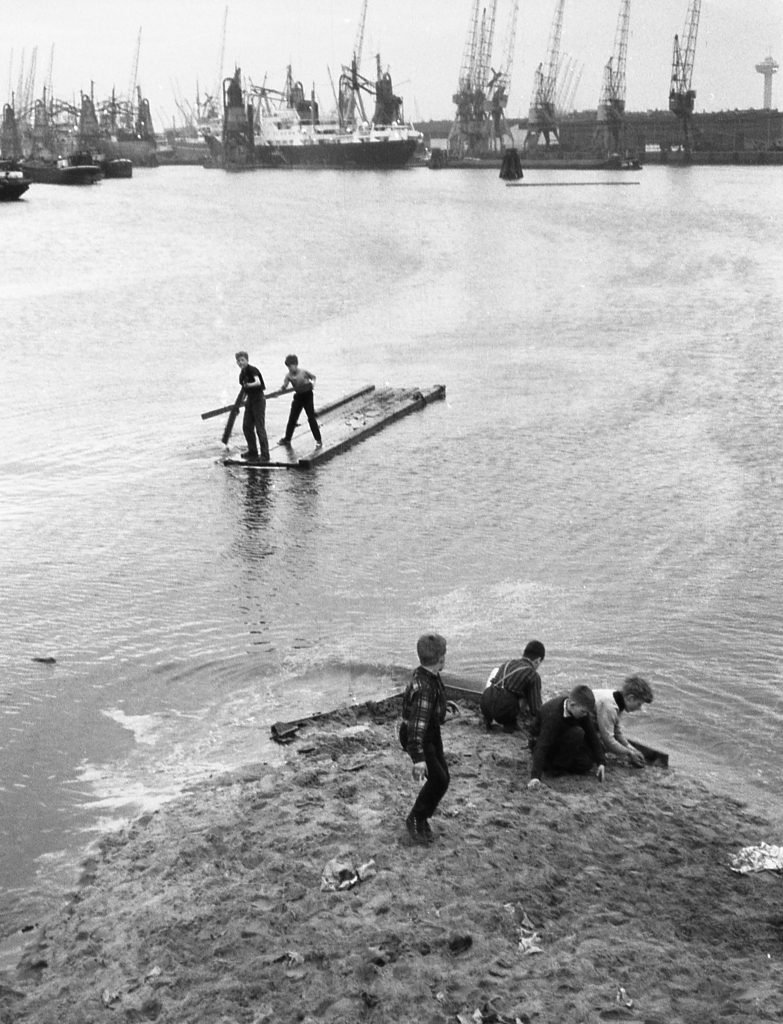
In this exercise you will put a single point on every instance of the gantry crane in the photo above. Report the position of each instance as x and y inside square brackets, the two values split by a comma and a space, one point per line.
[681, 95]
[132, 84]
[543, 114]
[479, 125]
[461, 134]
[499, 84]
[610, 117]
[351, 107]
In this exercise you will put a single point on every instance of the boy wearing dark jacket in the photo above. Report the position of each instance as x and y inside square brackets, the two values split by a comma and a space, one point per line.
[564, 737]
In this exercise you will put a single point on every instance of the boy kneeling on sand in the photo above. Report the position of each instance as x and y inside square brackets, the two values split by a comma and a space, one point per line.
[424, 707]
[611, 706]
[564, 738]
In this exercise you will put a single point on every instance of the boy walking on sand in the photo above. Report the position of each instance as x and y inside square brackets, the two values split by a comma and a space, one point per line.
[424, 707]
[252, 383]
[302, 382]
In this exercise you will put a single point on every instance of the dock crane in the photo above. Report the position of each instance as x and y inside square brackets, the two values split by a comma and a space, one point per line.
[543, 116]
[479, 126]
[610, 116]
[460, 136]
[350, 101]
[499, 85]
[681, 95]
[132, 84]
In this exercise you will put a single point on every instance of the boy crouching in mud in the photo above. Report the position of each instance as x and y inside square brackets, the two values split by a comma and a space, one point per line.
[424, 708]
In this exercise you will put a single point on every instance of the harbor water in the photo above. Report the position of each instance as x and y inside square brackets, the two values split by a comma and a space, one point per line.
[604, 475]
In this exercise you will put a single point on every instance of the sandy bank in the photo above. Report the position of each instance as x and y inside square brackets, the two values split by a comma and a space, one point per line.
[576, 903]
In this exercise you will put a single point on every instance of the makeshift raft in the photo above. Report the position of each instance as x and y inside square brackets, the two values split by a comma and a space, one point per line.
[343, 424]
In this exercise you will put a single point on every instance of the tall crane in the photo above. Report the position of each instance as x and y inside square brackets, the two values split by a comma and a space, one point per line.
[486, 42]
[28, 89]
[499, 84]
[681, 94]
[461, 137]
[358, 46]
[482, 93]
[610, 117]
[222, 53]
[542, 118]
[572, 71]
[351, 107]
[133, 79]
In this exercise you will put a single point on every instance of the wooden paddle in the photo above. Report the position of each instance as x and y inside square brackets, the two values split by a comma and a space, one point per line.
[233, 412]
[232, 415]
[227, 408]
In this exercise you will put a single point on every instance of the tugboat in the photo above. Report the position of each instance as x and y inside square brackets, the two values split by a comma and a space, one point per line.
[78, 169]
[13, 182]
[45, 162]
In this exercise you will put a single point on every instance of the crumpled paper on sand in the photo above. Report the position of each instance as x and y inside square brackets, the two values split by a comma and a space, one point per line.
[340, 873]
[757, 858]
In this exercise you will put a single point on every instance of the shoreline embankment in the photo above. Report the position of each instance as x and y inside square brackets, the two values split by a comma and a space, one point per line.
[579, 902]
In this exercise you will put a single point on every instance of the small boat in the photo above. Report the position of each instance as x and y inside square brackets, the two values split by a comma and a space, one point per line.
[79, 169]
[13, 182]
[115, 167]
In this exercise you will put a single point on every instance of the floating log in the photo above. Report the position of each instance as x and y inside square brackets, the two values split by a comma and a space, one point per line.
[564, 184]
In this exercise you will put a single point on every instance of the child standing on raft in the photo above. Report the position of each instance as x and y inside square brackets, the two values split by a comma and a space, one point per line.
[302, 382]
[424, 707]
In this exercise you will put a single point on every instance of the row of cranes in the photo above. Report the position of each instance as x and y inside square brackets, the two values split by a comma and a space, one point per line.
[480, 127]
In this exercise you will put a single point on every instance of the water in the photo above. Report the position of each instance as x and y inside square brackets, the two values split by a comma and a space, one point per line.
[605, 474]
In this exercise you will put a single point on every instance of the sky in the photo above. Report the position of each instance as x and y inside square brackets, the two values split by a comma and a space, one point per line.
[421, 42]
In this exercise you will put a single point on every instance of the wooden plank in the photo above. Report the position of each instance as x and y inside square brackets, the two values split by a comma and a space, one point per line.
[345, 400]
[227, 408]
[415, 401]
[232, 416]
[564, 184]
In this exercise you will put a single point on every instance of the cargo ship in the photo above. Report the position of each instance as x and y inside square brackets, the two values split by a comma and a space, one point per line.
[267, 128]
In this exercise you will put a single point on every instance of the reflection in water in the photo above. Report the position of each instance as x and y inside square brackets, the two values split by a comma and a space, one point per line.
[257, 507]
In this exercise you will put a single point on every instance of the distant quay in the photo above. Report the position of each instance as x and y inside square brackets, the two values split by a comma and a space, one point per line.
[745, 137]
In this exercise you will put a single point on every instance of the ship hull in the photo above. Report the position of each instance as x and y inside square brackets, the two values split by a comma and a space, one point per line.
[380, 155]
[51, 174]
[12, 188]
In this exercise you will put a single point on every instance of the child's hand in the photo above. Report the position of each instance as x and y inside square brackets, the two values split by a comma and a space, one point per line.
[420, 771]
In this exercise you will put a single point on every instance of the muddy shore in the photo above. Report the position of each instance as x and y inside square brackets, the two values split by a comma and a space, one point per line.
[579, 902]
